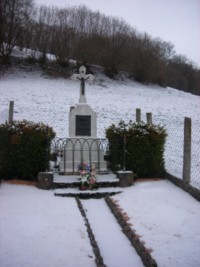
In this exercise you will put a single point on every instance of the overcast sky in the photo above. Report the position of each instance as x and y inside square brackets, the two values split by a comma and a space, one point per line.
[177, 21]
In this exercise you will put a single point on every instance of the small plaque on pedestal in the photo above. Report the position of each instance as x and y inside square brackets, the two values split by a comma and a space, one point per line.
[83, 125]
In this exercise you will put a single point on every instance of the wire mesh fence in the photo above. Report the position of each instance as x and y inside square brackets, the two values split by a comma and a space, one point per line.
[174, 153]
[57, 118]
[53, 116]
[195, 157]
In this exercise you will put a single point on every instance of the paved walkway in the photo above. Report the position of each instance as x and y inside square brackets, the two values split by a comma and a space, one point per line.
[114, 246]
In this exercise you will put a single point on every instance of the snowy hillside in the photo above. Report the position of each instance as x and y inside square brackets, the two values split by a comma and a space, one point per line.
[40, 98]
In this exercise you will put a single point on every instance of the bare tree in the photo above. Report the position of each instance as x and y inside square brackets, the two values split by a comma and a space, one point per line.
[62, 35]
[14, 15]
[93, 38]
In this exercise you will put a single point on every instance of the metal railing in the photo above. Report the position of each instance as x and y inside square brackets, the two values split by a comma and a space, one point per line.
[68, 153]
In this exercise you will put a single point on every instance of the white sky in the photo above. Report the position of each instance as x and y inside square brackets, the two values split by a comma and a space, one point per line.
[177, 21]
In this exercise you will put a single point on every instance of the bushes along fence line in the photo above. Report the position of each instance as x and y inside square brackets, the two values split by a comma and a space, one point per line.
[24, 149]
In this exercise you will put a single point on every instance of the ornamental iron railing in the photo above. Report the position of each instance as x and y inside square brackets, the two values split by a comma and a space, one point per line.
[68, 153]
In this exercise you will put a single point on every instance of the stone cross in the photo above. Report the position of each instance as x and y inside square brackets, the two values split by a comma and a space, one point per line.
[82, 77]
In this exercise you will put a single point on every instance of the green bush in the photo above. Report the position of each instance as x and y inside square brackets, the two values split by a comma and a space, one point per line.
[31, 60]
[24, 149]
[144, 146]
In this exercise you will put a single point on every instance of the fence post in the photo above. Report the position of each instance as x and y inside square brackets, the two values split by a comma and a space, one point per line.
[138, 115]
[149, 118]
[187, 150]
[11, 111]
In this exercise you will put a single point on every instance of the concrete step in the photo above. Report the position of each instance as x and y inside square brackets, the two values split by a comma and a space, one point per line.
[87, 194]
[71, 181]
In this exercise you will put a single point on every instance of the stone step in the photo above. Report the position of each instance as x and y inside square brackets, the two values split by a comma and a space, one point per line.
[50, 180]
[86, 194]
[77, 184]
[71, 181]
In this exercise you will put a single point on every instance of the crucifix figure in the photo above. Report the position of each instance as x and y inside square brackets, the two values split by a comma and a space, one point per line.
[82, 77]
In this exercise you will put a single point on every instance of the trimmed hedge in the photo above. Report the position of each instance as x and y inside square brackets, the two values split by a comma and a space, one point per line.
[144, 145]
[24, 149]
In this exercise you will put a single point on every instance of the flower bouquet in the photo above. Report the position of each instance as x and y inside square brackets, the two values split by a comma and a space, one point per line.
[87, 176]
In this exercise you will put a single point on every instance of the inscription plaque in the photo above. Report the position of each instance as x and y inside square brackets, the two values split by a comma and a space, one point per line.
[83, 125]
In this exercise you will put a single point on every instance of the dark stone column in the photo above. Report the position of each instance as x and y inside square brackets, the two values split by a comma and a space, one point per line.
[125, 178]
[45, 180]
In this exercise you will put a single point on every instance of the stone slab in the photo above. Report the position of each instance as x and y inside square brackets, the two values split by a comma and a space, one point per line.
[45, 180]
[125, 178]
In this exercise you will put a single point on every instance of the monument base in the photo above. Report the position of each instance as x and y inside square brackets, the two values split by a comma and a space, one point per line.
[82, 121]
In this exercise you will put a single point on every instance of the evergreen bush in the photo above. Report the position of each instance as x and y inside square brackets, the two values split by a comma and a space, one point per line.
[144, 146]
[24, 149]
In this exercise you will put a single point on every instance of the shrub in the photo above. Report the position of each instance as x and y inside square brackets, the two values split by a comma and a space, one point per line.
[31, 60]
[24, 149]
[144, 146]
[111, 71]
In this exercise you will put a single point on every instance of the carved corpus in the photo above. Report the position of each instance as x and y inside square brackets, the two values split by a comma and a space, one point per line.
[82, 77]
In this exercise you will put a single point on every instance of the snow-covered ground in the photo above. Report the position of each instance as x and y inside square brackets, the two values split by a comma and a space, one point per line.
[39, 98]
[167, 219]
[109, 236]
[39, 229]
